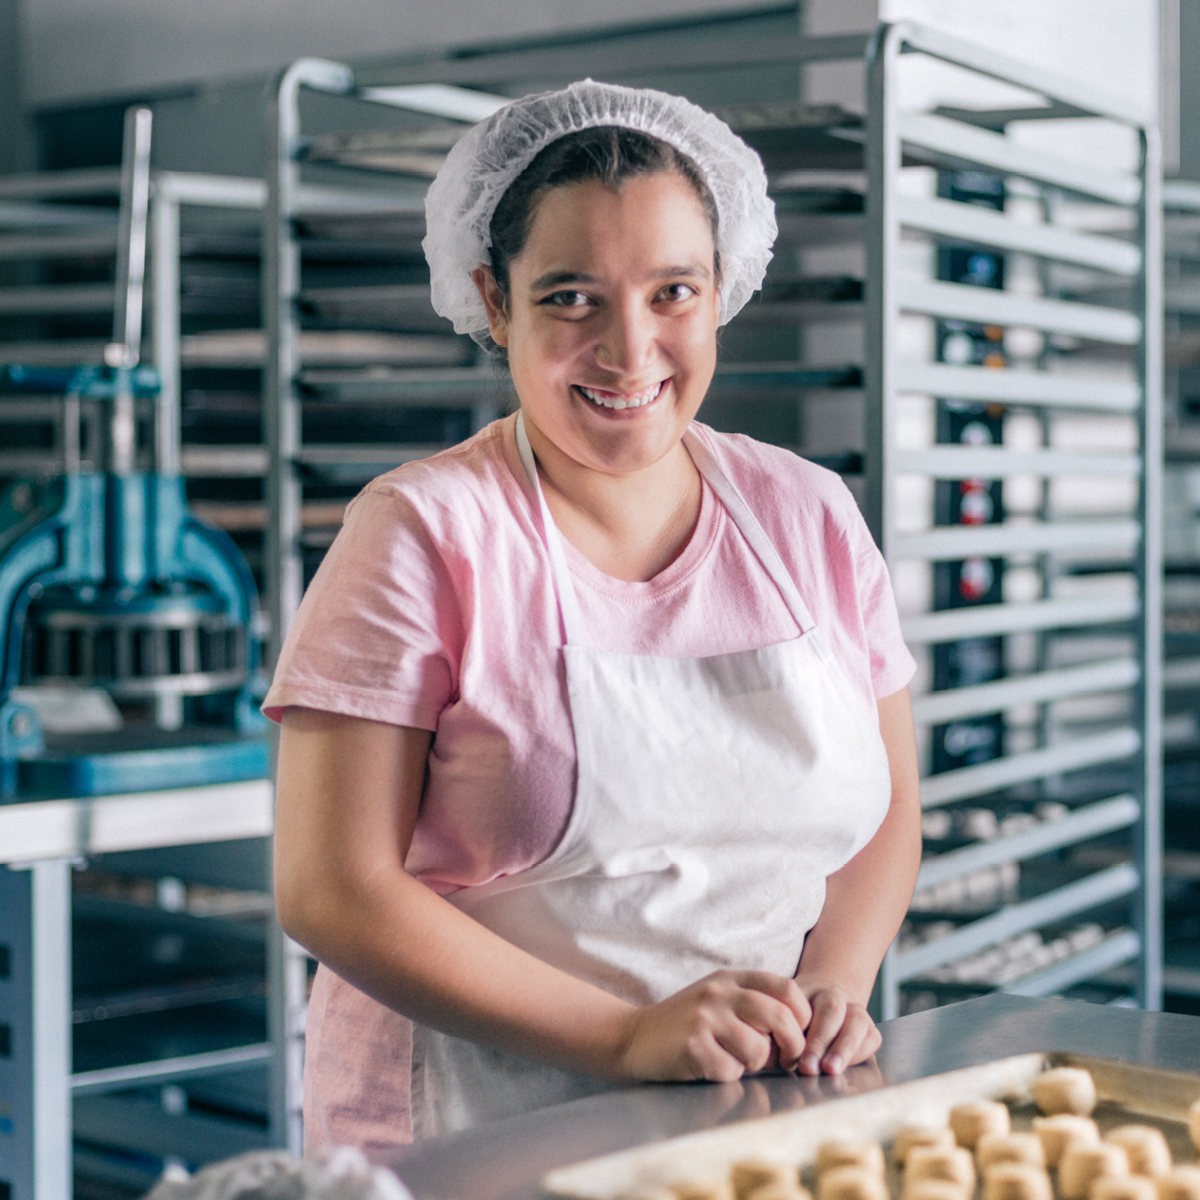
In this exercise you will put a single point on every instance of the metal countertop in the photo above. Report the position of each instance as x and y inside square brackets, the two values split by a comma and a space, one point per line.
[503, 1160]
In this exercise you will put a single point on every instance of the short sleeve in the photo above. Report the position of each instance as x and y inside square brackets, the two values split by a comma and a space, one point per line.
[892, 664]
[379, 631]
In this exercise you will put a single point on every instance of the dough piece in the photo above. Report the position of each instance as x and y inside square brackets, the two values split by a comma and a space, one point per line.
[782, 1191]
[1145, 1147]
[1134, 1187]
[1057, 1132]
[971, 1121]
[1016, 1181]
[1183, 1183]
[1194, 1123]
[930, 1162]
[750, 1174]
[911, 1136]
[934, 1189]
[1081, 1166]
[841, 1152]
[1010, 1147]
[1065, 1090]
[700, 1189]
[851, 1183]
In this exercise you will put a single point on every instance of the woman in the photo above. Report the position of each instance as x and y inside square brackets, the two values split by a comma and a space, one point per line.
[568, 776]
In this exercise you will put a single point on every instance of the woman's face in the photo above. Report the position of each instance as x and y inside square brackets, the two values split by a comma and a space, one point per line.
[611, 319]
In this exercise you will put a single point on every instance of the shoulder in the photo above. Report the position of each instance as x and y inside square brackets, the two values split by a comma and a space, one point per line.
[467, 471]
[780, 486]
[461, 493]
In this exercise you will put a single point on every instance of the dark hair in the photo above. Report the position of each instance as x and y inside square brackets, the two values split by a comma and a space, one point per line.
[608, 154]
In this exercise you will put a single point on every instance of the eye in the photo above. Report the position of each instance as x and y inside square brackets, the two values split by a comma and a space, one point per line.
[566, 299]
[675, 292]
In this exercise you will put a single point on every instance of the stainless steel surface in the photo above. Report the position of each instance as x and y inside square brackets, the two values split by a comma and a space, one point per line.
[504, 1160]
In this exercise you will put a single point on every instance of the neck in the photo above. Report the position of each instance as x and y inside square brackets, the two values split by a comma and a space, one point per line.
[630, 525]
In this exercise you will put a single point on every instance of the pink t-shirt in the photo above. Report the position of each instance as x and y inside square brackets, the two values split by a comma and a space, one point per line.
[435, 608]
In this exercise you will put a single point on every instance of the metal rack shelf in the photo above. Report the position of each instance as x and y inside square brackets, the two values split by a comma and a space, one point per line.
[1181, 670]
[1047, 541]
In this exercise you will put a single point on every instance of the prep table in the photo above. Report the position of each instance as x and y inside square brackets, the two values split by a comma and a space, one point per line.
[505, 1159]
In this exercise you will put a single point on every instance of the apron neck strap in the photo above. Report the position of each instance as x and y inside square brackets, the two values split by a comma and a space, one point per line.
[749, 527]
[568, 603]
[739, 511]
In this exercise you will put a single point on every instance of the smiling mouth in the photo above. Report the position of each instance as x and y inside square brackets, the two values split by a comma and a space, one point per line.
[617, 400]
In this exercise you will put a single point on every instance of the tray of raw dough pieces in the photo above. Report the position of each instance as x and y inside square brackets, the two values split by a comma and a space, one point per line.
[1032, 1127]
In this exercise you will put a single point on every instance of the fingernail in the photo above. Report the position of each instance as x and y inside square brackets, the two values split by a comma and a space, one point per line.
[810, 1064]
[834, 1065]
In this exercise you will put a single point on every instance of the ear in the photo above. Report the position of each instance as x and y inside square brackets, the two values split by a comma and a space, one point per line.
[494, 302]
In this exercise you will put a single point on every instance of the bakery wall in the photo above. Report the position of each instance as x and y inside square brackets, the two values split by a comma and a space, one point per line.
[75, 49]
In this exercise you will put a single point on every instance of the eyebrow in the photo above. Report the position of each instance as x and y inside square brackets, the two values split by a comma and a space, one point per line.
[553, 279]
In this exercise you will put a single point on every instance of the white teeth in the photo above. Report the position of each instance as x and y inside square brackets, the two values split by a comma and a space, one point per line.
[635, 401]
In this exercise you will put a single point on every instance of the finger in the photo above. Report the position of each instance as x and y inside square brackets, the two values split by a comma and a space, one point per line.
[849, 1045]
[829, 1013]
[774, 1019]
[780, 988]
[719, 1054]
[749, 1046]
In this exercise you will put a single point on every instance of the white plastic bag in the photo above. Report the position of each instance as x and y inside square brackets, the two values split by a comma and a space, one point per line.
[339, 1174]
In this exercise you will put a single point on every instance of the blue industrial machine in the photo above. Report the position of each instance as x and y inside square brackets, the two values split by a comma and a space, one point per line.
[107, 581]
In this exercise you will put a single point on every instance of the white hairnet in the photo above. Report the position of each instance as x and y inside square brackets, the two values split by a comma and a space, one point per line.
[484, 162]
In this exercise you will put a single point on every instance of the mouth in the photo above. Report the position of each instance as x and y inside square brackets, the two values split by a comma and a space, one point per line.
[621, 400]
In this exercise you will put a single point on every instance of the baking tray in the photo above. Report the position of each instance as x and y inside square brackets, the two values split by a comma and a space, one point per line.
[1125, 1092]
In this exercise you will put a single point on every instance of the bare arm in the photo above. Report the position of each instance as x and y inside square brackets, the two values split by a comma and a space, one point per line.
[348, 793]
[864, 904]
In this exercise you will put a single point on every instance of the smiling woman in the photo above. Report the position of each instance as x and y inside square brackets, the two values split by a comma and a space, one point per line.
[597, 762]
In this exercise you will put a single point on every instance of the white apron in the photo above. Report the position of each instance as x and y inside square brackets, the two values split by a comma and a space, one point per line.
[713, 798]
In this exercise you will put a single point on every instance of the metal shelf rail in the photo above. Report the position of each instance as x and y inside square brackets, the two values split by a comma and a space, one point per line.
[1074, 806]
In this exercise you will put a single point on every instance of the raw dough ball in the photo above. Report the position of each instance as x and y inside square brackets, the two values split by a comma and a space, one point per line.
[971, 1121]
[779, 1191]
[934, 1189]
[1057, 1132]
[1082, 1165]
[911, 1136]
[1183, 1183]
[931, 1162]
[750, 1174]
[1145, 1147]
[700, 1189]
[1134, 1187]
[1065, 1090]
[1010, 1147]
[846, 1153]
[1016, 1181]
[1194, 1123]
[851, 1183]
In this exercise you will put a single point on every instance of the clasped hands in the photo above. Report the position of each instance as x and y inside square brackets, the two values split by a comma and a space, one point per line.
[735, 1023]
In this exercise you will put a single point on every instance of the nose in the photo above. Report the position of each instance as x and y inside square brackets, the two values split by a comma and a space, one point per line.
[626, 337]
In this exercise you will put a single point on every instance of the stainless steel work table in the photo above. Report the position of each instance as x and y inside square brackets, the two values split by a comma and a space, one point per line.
[503, 1160]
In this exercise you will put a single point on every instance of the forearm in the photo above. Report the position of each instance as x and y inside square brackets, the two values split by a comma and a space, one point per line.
[864, 904]
[343, 893]
[407, 947]
[866, 900]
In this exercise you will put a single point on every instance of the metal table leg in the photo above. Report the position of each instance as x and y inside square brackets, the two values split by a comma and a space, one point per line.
[35, 1031]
